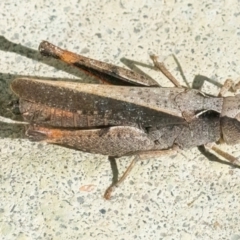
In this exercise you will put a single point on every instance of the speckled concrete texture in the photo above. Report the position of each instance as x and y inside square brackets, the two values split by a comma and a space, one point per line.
[50, 192]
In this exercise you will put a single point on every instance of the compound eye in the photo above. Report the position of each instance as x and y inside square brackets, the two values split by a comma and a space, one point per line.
[230, 130]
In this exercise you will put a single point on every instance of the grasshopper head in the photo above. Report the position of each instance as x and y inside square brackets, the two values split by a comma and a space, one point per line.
[230, 119]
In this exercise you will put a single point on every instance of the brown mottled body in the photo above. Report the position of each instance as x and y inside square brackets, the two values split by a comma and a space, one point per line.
[156, 122]
[133, 116]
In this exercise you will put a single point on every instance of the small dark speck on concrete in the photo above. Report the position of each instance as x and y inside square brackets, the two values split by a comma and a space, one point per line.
[131, 182]
[63, 226]
[52, 18]
[40, 146]
[85, 50]
[69, 182]
[147, 209]
[177, 51]
[197, 38]
[80, 200]
[136, 30]
[103, 211]
[173, 156]
[99, 35]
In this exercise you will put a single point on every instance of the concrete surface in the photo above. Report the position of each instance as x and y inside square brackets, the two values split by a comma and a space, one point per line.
[49, 192]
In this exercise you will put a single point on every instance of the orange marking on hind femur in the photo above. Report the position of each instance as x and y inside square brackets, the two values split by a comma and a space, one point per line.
[51, 134]
[69, 57]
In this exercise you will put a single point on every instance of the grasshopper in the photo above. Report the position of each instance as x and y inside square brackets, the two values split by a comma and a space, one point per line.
[130, 114]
